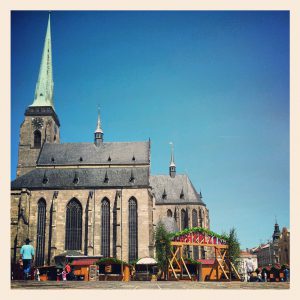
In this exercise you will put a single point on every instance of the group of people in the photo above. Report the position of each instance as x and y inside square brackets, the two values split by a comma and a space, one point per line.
[259, 276]
[27, 261]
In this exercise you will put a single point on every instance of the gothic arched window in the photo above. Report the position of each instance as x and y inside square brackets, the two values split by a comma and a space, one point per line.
[194, 218]
[40, 233]
[184, 219]
[169, 213]
[133, 230]
[195, 224]
[37, 138]
[105, 227]
[73, 239]
[201, 217]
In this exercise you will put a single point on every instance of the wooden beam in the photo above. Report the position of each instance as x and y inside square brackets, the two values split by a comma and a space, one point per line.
[222, 268]
[198, 244]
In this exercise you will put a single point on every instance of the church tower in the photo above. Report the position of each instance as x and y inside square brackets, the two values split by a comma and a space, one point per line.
[41, 124]
[276, 233]
[172, 167]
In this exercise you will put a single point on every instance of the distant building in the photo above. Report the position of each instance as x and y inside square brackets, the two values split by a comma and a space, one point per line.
[245, 260]
[284, 247]
[275, 251]
[264, 254]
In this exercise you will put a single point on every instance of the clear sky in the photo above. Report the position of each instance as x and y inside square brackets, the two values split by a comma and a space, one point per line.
[216, 84]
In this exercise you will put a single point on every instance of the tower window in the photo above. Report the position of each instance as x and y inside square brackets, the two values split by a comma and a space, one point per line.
[37, 138]
[169, 213]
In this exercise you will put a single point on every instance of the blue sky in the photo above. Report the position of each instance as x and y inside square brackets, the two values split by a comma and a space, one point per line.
[214, 83]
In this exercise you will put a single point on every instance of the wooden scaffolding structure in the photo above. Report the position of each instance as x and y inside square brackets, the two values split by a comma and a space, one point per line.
[222, 264]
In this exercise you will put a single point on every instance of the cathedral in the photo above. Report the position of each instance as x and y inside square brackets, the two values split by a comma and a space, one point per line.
[97, 198]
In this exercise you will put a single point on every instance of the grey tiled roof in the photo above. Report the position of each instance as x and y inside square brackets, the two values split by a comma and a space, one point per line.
[72, 153]
[87, 178]
[173, 188]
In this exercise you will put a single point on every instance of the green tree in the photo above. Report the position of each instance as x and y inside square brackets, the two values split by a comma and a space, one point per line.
[234, 249]
[162, 246]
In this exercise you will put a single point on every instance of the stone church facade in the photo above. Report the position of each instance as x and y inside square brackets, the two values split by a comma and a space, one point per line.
[97, 198]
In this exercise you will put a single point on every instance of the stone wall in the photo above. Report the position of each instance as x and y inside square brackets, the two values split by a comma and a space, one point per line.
[90, 201]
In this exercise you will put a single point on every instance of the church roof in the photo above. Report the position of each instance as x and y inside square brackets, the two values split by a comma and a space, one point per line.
[77, 178]
[113, 153]
[177, 190]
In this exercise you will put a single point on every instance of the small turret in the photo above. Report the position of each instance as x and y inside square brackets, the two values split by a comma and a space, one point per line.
[172, 167]
[98, 132]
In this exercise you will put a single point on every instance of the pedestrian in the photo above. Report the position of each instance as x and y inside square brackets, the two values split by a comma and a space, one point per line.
[259, 276]
[27, 256]
[286, 274]
[69, 273]
[37, 274]
[265, 276]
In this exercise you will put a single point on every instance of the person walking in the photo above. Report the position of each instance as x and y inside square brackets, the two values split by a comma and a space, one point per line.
[27, 256]
[265, 276]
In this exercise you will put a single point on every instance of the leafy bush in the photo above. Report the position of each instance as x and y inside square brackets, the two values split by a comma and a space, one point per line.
[162, 246]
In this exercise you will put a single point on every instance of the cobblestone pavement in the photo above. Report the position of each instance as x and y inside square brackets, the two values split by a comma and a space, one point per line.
[109, 285]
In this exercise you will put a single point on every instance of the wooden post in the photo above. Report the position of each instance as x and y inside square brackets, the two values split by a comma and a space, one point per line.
[181, 268]
[217, 268]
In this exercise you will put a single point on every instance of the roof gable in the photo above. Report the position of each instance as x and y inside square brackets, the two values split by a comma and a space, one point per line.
[175, 190]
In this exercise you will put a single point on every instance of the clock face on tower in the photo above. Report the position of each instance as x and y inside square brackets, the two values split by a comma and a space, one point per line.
[37, 123]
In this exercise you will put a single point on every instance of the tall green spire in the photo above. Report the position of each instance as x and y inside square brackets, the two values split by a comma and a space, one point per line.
[44, 87]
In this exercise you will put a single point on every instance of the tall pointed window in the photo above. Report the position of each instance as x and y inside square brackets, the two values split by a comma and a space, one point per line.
[201, 217]
[195, 224]
[133, 230]
[169, 213]
[40, 234]
[37, 138]
[105, 228]
[184, 219]
[73, 239]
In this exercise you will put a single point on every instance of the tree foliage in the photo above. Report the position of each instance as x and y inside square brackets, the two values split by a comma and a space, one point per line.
[162, 246]
[201, 230]
[233, 246]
